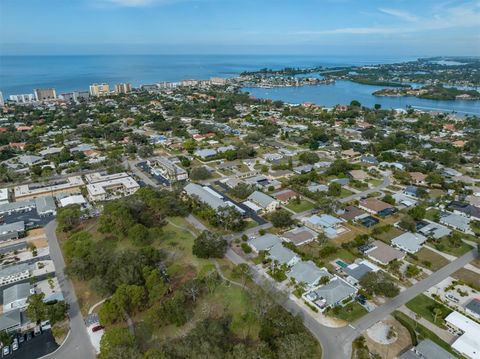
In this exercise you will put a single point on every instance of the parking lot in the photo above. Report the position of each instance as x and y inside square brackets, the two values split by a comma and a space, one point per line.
[36, 347]
[31, 218]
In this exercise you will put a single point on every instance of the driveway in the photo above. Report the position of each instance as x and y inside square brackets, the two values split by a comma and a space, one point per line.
[77, 345]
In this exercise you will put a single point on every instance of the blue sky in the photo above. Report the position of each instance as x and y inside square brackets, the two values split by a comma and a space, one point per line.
[359, 27]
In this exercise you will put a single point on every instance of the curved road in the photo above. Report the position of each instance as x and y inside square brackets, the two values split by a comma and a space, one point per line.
[77, 345]
[337, 342]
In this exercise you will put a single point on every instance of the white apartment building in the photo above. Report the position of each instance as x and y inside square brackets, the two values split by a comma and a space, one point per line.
[108, 187]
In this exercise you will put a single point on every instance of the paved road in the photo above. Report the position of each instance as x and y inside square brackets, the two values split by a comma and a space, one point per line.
[132, 167]
[77, 345]
[385, 183]
[337, 342]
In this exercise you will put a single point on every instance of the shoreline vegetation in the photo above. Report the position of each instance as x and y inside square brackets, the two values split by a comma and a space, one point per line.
[440, 78]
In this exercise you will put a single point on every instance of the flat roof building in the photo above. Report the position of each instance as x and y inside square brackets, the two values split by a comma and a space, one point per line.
[108, 187]
[13, 230]
[33, 190]
[468, 344]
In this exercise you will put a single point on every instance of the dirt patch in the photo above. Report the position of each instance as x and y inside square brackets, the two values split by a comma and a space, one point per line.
[36, 232]
[390, 351]
[38, 242]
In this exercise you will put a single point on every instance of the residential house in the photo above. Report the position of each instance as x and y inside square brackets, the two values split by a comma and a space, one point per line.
[285, 195]
[308, 273]
[427, 349]
[356, 271]
[352, 213]
[456, 221]
[468, 343]
[337, 292]
[464, 209]
[264, 201]
[282, 255]
[418, 177]
[300, 235]
[412, 191]
[325, 223]
[358, 175]
[375, 206]
[382, 253]
[473, 308]
[264, 242]
[434, 230]
[409, 242]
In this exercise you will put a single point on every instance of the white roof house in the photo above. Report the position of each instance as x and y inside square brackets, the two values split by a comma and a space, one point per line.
[409, 242]
[75, 199]
[308, 273]
[326, 223]
[264, 242]
[456, 221]
[283, 255]
[263, 200]
[468, 344]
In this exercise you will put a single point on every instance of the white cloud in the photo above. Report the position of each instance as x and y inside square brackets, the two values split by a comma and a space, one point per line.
[462, 16]
[401, 14]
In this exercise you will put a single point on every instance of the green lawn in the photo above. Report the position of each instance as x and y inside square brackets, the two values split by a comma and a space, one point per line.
[424, 305]
[445, 246]
[389, 235]
[345, 193]
[350, 312]
[303, 206]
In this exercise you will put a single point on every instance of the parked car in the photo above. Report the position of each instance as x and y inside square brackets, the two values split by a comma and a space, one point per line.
[6, 350]
[37, 331]
[45, 325]
[97, 328]
[452, 298]
[15, 344]
[21, 338]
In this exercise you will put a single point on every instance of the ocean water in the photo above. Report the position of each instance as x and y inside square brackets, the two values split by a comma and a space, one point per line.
[21, 74]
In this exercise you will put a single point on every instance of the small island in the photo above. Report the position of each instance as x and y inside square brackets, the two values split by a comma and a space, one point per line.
[431, 93]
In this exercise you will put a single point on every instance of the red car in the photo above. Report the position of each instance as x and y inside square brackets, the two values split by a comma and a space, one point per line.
[97, 328]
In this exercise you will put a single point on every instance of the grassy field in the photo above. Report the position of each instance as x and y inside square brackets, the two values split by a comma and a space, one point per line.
[419, 332]
[426, 256]
[445, 246]
[424, 305]
[388, 236]
[345, 193]
[350, 312]
[303, 206]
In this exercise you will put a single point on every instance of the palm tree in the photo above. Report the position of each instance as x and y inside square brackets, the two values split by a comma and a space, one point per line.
[437, 312]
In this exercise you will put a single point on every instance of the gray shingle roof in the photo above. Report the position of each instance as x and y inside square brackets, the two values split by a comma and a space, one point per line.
[16, 292]
[262, 199]
[10, 319]
[307, 272]
[281, 254]
[265, 242]
[335, 291]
